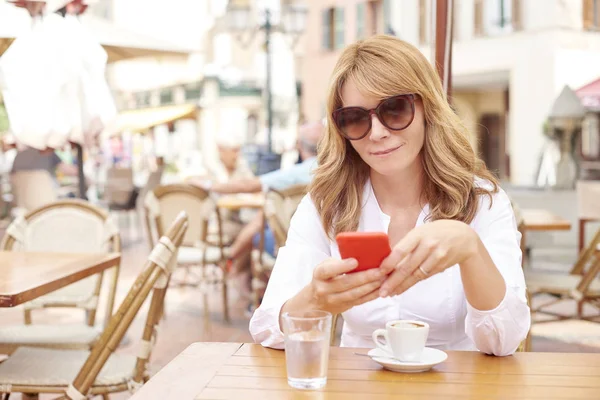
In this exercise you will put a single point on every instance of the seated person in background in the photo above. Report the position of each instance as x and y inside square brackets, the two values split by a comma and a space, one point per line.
[308, 138]
[396, 158]
[230, 168]
[32, 159]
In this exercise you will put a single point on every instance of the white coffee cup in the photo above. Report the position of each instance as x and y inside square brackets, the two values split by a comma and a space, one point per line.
[404, 339]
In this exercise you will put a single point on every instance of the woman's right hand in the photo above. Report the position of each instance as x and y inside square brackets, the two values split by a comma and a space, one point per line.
[336, 290]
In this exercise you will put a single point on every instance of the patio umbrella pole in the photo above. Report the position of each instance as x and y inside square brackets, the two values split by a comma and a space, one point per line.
[443, 43]
[80, 174]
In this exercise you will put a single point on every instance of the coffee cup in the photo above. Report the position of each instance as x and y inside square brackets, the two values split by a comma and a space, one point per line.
[404, 339]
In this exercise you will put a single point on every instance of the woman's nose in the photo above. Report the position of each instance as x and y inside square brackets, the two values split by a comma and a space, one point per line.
[378, 130]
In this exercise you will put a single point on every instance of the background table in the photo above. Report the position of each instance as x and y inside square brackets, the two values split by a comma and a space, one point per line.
[539, 220]
[239, 201]
[248, 371]
[543, 220]
[25, 276]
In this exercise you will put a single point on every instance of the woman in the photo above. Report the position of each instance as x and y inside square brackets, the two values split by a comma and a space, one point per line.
[396, 159]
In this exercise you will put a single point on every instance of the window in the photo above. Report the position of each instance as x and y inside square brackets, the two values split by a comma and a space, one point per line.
[166, 96]
[591, 14]
[360, 21]
[142, 99]
[333, 28]
[339, 27]
[497, 16]
[327, 27]
[193, 92]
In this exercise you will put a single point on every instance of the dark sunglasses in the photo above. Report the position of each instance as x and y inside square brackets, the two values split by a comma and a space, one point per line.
[395, 113]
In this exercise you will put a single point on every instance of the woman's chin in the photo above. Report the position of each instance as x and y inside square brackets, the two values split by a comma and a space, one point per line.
[389, 170]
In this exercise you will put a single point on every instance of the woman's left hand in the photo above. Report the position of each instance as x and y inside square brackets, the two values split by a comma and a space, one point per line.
[426, 251]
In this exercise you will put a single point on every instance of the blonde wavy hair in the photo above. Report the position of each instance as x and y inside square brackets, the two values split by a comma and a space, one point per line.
[383, 66]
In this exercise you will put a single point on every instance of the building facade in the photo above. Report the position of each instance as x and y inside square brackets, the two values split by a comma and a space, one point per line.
[224, 76]
[511, 58]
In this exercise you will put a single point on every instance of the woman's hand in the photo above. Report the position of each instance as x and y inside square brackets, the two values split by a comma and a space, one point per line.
[336, 290]
[426, 251]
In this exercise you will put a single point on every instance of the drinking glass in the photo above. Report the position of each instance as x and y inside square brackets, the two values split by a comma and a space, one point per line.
[307, 335]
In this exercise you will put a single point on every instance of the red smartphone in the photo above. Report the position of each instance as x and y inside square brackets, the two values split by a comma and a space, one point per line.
[368, 248]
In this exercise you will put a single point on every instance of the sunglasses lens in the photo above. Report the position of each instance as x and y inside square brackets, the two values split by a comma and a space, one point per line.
[352, 122]
[396, 113]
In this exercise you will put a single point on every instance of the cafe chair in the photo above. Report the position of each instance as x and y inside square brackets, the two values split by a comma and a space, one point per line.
[153, 181]
[77, 374]
[588, 208]
[199, 249]
[279, 208]
[581, 284]
[64, 226]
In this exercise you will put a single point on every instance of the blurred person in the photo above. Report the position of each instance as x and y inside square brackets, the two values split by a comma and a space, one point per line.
[396, 159]
[33, 159]
[308, 137]
[231, 165]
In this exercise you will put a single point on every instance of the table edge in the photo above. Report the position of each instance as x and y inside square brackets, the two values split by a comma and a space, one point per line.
[14, 299]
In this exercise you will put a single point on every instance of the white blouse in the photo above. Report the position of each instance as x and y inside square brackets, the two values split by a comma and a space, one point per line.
[439, 300]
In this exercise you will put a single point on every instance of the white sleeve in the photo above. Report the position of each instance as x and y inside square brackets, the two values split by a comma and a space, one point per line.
[501, 330]
[306, 247]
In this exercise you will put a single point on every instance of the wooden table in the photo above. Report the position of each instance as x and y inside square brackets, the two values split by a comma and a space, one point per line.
[25, 276]
[239, 201]
[543, 220]
[248, 371]
[538, 220]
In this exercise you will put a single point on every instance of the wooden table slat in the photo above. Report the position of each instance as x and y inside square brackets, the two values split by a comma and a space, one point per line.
[469, 368]
[473, 390]
[459, 357]
[236, 394]
[377, 375]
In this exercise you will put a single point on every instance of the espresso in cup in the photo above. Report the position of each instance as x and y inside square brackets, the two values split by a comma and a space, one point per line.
[403, 340]
[405, 324]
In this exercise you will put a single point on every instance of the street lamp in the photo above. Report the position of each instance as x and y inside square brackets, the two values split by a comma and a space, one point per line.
[291, 21]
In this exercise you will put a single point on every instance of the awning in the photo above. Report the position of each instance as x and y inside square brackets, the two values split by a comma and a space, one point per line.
[120, 43]
[123, 44]
[143, 119]
[590, 95]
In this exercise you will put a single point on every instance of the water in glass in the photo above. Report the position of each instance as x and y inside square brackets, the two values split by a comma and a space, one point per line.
[307, 354]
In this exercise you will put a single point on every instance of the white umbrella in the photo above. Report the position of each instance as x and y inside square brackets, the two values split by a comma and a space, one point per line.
[53, 84]
[52, 79]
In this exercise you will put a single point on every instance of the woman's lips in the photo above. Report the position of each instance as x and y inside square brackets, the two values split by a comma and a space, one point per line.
[386, 152]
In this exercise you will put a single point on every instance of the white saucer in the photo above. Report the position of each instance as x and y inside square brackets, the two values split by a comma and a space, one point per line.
[429, 358]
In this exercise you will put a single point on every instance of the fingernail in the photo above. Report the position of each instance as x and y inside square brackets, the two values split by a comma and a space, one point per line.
[383, 293]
